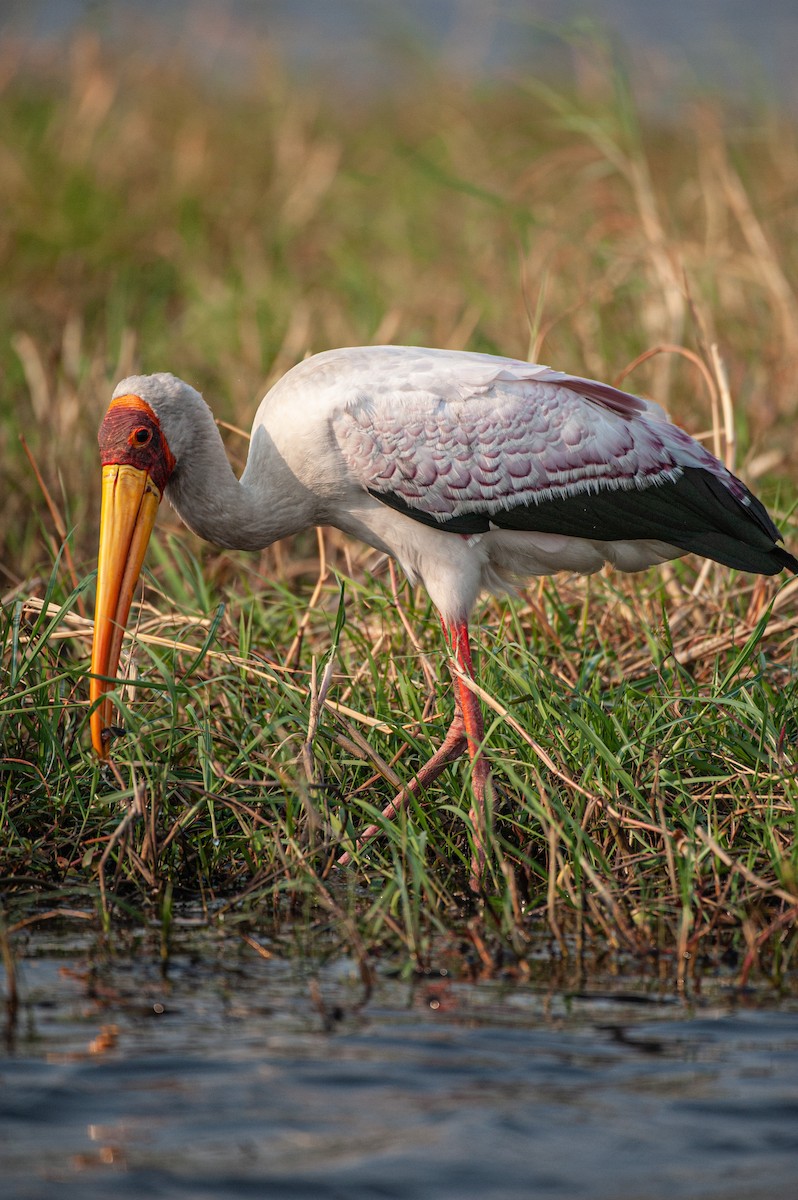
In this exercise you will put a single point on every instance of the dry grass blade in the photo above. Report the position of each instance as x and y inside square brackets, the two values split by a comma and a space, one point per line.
[751, 877]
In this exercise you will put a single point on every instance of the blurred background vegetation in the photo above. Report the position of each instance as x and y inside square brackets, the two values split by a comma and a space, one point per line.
[159, 214]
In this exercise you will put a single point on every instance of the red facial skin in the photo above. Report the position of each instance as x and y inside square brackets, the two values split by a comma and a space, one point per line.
[130, 435]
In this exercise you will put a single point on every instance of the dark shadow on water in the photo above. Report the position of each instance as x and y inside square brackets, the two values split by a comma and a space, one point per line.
[239, 1076]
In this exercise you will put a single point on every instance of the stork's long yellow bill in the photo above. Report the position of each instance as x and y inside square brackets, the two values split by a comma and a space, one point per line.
[130, 502]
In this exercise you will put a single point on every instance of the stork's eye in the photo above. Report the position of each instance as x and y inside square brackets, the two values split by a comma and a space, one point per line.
[141, 436]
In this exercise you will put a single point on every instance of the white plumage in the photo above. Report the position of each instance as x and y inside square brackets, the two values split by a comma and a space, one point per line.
[471, 470]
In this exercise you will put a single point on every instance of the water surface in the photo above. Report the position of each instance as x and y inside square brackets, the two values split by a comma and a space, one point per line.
[240, 1077]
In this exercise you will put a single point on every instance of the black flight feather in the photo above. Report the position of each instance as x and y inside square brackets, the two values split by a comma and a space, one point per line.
[695, 512]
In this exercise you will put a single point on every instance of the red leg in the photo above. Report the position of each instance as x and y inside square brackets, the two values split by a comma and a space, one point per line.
[466, 732]
[450, 749]
[457, 636]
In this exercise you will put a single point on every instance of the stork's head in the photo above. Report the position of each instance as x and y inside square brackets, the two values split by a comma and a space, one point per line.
[138, 462]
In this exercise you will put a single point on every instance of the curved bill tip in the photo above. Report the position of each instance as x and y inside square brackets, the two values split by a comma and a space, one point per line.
[129, 506]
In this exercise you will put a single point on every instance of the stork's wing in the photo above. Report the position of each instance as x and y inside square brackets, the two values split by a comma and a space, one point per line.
[531, 449]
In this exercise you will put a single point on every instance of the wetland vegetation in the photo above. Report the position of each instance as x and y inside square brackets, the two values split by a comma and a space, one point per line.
[643, 730]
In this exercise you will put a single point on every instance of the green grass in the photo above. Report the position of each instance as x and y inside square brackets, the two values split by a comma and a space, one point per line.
[652, 806]
[642, 731]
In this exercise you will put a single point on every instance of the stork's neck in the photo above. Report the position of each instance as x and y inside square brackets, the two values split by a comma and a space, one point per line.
[266, 504]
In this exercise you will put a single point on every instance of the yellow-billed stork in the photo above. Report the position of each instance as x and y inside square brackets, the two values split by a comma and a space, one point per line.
[472, 471]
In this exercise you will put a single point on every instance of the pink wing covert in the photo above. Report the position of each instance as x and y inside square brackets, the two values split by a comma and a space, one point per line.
[518, 439]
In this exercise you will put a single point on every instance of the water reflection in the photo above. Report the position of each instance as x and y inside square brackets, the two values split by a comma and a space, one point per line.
[223, 1083]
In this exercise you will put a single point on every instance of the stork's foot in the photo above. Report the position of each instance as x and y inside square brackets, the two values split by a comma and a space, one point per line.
[466, 733]
[482, 786]
[451, 748]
